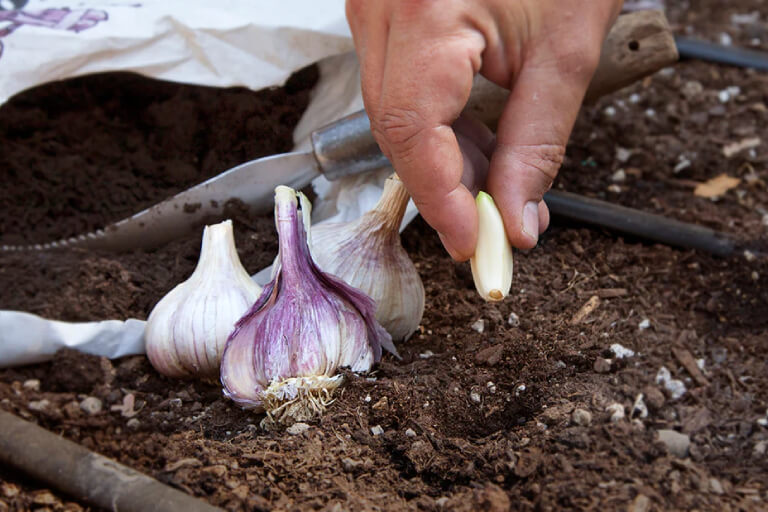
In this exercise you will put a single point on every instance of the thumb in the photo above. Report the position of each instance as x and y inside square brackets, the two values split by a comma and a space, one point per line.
[532, 133]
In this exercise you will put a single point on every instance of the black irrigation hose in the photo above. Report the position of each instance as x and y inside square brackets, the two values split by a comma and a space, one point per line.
[702, 50]
[86, 475]
[629, 221]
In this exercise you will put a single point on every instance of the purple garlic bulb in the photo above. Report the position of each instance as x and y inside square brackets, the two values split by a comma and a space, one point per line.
[284, 353]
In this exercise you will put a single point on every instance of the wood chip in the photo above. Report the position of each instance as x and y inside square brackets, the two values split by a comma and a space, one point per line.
[585, 310]
[173, 466]
[685, 358]
[736, 147]
[717, 186]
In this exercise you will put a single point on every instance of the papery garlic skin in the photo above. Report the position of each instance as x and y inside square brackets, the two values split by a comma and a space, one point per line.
[187, 330]
[284, 353]
[367, 254]
[492, 262]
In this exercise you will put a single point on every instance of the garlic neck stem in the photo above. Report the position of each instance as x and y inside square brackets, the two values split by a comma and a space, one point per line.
[218, 247]
[292, 239]
[391, 206]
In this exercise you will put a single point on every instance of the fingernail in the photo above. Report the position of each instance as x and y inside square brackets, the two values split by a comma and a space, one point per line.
[531, 220]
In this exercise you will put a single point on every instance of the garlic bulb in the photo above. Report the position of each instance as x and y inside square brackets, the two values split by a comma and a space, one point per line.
[367, 254]
[492, 261]
[284, 353]
[187, 330]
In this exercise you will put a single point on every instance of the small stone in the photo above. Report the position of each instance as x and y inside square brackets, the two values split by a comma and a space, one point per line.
[475, 397]
[724, 96]
[749, 256]
[8, 489]
[621, 351]
[217, 470]
[350, 465]
[367, 399]
[692, 89]
[32, 384]
[675, 387]
[649, 112]
[623, 154]
[478, 325]
[619, 176]
[514, 320]
[409, 432]
[641, 503]
[426, 354]
[91, 405]
[616, 412]
[602, 365]
[581, 417]
[716, 486]
[644, 324]
[377, 430]
[44, 497]
[133, 424]
[297, 428]
[609, 111]
[39, 405]
[682, 164]
[639, 409]
[677, 444]
[760, 448]
[614, 189]
[560, 364]
[634, 98]
[725, 39]
[653, 397]
[519, 389]
[764, 220]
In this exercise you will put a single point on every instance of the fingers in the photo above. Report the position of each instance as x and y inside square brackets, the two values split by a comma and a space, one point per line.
[425, 83]
[530, 144]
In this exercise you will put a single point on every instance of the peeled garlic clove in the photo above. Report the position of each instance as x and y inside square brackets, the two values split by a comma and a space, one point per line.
[367, 254]
[492, 261]
[284, 353]
[188, 328]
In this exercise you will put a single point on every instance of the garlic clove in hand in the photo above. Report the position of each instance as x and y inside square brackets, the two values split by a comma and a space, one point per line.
[188, 328]
[367, 254]
[492, 262]
[284, 353]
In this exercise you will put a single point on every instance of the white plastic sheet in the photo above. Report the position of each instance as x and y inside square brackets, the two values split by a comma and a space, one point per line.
[224, 43]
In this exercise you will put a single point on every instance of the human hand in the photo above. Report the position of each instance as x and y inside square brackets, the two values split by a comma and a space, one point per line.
[418, 59]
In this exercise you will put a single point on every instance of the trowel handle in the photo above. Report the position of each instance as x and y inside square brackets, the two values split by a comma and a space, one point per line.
[638, 45]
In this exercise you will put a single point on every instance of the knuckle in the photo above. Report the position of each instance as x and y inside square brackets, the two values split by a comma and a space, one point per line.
[580, 61]
[542, 158]
[399, 129]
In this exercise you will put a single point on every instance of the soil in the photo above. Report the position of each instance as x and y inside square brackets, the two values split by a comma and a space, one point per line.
[493, 406]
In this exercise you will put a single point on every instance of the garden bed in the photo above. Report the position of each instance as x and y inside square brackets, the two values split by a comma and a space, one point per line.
[479, 413]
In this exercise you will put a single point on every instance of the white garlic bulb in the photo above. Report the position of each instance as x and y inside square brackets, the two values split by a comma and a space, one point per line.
[367, 254]
[188, 328]
[492, 262]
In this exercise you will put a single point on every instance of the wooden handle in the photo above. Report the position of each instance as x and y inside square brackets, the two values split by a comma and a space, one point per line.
[638, 45]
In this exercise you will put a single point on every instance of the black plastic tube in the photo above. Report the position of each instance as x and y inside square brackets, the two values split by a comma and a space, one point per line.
[643, 225]
[703, 50]
[86, 475]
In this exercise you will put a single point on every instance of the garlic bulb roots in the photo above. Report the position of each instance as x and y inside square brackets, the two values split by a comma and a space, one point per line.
[188, 328]
[492, 262]
[367, 254]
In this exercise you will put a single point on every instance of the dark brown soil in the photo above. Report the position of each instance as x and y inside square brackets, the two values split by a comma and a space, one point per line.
[479, 414]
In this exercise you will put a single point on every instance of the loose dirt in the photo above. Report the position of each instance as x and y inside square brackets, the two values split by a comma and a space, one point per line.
[494, 406]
